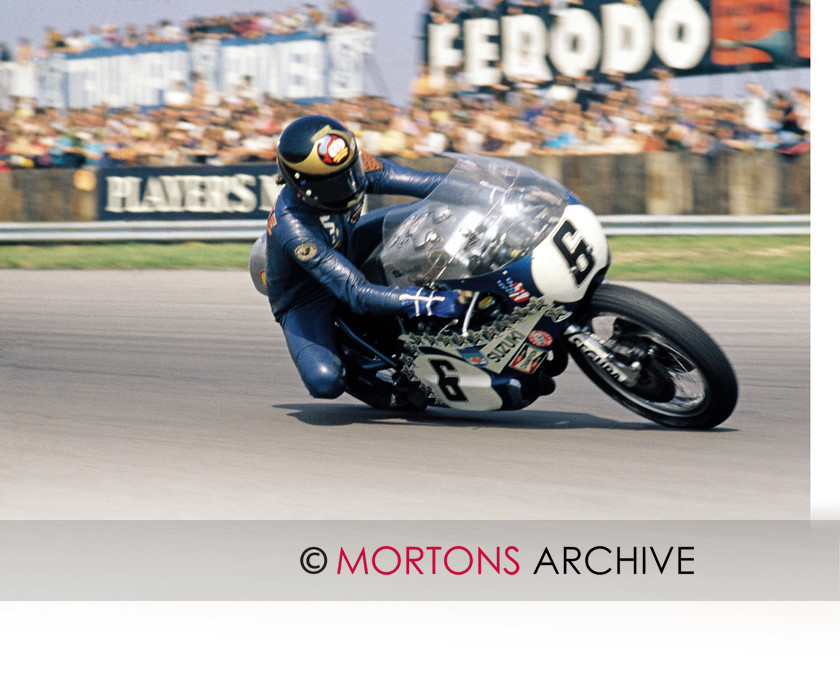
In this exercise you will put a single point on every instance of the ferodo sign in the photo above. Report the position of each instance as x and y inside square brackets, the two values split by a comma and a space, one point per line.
[630, 37]
[200, 192]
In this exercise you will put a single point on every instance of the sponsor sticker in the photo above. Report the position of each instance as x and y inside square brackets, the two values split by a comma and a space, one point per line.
[306, 251]
[474, 356]
[504, 345]
[333, 149]
[514, 290]
[541, 339]
[528, 358]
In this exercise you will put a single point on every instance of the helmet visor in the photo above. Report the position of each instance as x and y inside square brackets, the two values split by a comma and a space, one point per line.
[337, 192]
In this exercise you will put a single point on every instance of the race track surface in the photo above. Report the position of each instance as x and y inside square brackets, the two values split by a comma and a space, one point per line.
[170, 395]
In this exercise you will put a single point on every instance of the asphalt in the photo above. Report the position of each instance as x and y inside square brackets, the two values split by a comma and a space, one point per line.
[170, 395]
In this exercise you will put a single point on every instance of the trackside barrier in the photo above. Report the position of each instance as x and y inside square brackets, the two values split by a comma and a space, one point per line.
[249, 230]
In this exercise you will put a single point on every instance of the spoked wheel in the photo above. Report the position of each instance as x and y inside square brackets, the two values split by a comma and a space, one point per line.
[652, 359]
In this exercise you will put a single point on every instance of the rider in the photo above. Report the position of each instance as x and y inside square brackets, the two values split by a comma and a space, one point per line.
[317, 235]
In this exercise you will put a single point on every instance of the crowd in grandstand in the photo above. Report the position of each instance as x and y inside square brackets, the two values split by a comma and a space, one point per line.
[246, 25]
[198, 126]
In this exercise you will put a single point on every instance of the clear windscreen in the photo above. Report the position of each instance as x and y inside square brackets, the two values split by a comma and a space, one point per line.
[486, 214]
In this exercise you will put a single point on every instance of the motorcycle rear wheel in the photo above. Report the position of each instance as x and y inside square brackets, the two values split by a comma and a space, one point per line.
[685, 379]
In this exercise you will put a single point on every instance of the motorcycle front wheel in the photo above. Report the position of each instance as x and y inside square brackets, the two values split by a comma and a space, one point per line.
[653, 359]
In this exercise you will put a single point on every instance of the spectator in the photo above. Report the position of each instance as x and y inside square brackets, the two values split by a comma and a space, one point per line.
[344, 14]
[131, 37]
[23, 51]
[94, 38]
[53, 40]
[111, 35]
[757, 110]
[802, 109]
[789, 125]
[293, 20]
[560, 91]
[171, 33]
[177, 95]
[244, 92]
[570, 116]
[203, 93]
[68, 152]
[425, 85]
[316, 20]
[150, 36]
[76, 42]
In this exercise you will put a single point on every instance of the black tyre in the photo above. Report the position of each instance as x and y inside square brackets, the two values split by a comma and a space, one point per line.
[678, 375]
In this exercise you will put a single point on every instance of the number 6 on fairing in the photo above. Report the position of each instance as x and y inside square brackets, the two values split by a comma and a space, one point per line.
[448, 383]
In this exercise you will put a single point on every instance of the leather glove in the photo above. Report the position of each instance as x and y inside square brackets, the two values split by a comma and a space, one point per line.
[419, 302]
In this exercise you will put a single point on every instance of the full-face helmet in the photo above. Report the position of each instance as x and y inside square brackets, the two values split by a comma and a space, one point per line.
[318, 158]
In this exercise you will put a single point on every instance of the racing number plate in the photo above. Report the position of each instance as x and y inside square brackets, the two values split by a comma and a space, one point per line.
[456, 383]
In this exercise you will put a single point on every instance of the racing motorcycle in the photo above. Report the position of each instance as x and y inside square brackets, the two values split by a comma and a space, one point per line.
[531, 259]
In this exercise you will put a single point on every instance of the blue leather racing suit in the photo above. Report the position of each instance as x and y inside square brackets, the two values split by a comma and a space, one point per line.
[312, 259]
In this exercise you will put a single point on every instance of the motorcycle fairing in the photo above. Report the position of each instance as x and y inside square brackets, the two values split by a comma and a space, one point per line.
[565, 264]
[455, 383]
[496, 367]
[519, 247]
[513, 284]
[484, 216]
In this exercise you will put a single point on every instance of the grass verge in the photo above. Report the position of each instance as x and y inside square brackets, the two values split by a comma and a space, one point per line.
[768, 259]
